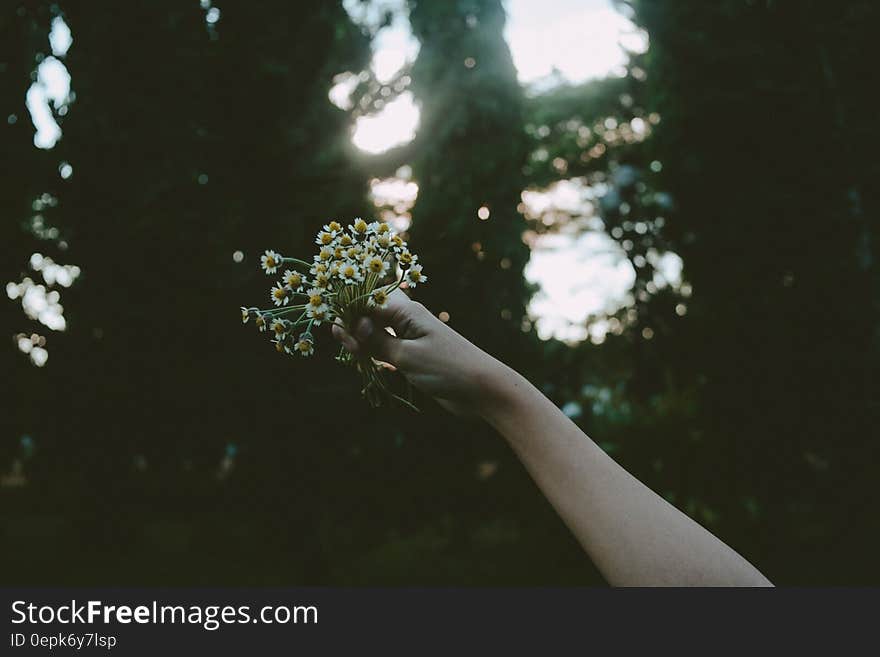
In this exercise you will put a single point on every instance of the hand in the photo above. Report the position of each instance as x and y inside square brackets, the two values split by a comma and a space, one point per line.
[432, 356]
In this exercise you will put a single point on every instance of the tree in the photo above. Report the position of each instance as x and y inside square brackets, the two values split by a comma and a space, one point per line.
[765, 164]
[469, 161]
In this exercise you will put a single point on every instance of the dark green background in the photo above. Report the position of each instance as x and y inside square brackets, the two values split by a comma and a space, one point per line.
[756, 412]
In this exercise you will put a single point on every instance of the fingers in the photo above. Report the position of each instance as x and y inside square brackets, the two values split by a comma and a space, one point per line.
[370, 337]
[397, 313]
[400, 313]
[351, 345]
[378, 341]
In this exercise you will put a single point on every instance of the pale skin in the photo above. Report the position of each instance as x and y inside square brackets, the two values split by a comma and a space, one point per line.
[634, 536]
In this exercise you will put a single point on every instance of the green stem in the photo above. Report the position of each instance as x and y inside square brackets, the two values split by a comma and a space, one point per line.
[297, 261]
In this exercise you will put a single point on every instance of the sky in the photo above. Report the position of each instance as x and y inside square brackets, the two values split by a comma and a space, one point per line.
[581, 39]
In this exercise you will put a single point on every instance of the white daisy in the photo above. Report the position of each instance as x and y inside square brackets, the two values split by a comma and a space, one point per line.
[364, 250]
[321, 281]
[279, 326]
[378, 298]
[270, 261]
[415, 276]
[279, 294]
[316, 298]
[376, 265]
[350, 273]
[359, 228]
[406, 258]
[325, 238]
[293, 280]
[282, 345]
[304, 346]
[318, 314]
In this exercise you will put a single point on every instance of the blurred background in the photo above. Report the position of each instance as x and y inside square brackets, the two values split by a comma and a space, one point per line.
[664, 213]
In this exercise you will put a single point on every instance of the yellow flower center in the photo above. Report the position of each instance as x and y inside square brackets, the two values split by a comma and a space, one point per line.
[345, 240]
[383, 228]
[279, 293]
[380, 297]
[406, 257]
[326, 238]
[376, 265]
[304, 346]
[415, 275]
[315, 300]
[360, 226]
[348, 272]
[270, 262]
[334, 226]
[294, 280]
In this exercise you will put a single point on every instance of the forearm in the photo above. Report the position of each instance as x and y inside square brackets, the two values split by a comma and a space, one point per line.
[633, 535]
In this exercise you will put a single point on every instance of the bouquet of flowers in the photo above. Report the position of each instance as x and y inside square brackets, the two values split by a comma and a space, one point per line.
[353, 272]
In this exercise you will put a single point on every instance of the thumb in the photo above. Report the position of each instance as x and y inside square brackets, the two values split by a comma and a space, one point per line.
[378, 341]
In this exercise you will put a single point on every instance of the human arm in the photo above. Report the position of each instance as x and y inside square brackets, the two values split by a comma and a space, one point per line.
[634, 536]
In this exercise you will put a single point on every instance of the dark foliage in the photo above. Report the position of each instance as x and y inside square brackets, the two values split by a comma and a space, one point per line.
[164, 444]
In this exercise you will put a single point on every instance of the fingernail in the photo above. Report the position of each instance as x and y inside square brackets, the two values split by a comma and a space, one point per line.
[364, 329]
